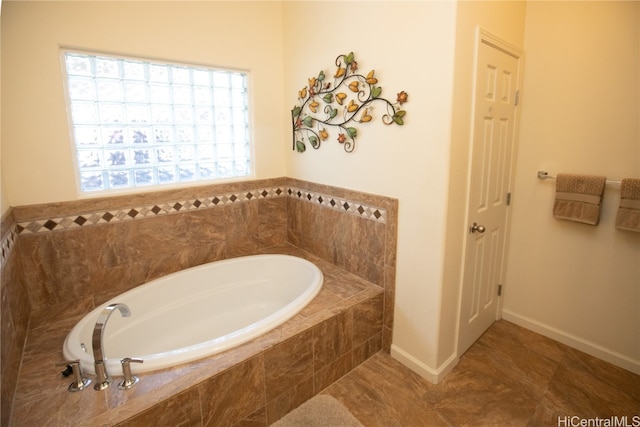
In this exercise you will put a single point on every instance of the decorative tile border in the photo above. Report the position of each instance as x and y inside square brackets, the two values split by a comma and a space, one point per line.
[8, 242]
[343, 205]
[139, 212]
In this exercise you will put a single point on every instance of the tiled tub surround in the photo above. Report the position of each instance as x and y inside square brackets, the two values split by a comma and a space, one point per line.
[259, 381]
[78, 265]
[14, 313]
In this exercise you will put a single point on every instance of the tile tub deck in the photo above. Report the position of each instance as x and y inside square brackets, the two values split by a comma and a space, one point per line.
[257, 382]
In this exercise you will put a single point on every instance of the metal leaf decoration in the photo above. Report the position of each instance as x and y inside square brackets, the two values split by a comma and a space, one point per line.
[341, 103]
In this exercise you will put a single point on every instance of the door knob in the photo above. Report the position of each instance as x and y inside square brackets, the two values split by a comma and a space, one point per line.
[475, 228]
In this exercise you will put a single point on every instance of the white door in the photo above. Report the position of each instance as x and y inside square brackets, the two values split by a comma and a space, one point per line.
[496, 93]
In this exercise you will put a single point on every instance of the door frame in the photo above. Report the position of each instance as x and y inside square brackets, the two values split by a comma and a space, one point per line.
[484, 36]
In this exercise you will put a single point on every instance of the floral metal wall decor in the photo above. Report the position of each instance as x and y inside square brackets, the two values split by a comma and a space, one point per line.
[349, 99]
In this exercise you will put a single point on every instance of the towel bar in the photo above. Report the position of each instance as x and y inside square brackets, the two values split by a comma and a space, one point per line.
[545, 175]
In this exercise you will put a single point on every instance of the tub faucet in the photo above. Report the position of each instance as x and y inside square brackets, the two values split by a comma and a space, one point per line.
[102, 377]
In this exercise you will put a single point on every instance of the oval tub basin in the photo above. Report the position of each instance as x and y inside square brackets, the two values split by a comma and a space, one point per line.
[198, 312]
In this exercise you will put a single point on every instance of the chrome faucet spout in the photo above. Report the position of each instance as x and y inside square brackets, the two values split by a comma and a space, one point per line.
[103, 380]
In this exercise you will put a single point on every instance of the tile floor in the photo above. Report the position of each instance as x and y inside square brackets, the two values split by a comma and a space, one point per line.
[509, 377]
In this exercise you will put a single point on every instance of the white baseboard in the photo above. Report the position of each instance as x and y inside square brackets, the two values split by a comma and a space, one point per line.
[425, 371]
[578, 343]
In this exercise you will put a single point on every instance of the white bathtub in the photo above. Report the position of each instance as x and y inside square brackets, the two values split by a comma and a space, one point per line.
[198, 312]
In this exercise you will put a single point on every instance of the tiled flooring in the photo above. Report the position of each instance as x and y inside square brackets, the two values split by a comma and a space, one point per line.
[509, 377]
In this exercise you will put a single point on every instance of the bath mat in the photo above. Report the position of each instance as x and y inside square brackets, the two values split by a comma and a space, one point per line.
[319, 411]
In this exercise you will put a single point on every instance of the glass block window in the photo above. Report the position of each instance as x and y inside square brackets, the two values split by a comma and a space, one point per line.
[139, 123]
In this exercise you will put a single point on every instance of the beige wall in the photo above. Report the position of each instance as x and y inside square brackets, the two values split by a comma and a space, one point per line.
[4, 203]
[580, 114]
[411, 47]
[36, 152]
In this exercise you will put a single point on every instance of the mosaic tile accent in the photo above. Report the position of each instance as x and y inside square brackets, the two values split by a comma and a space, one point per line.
[343, 205]
[140, 212]
[8, 242]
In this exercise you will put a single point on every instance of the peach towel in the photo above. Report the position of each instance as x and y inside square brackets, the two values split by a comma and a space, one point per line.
[579, 198]
[628, 217]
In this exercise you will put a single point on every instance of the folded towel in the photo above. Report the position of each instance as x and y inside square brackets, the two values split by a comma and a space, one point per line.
[579, 197]
[628, 217]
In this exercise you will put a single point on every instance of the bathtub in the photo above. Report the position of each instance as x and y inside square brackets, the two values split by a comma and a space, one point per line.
[198, 312]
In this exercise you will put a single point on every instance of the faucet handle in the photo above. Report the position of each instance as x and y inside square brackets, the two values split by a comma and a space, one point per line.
[129, 380]
[79, 382]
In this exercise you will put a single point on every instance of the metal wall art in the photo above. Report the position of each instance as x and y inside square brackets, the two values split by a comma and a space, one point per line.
[349, 99]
